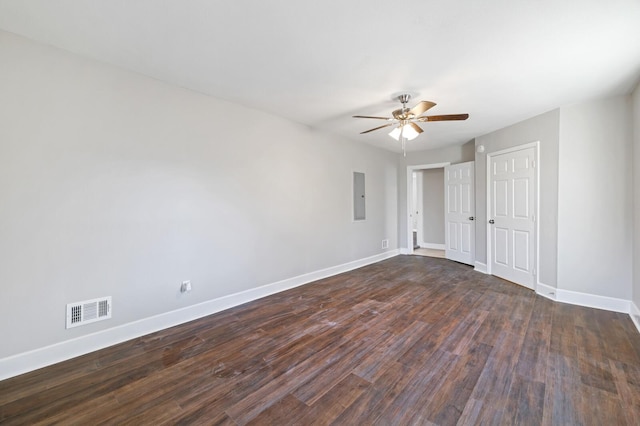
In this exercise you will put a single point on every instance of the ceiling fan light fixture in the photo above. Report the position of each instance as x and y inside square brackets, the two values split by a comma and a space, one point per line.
[395, 133]
[407, 132]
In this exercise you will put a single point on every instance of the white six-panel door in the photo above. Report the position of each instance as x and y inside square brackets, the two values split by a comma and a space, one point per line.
[459, 212]
[512, 216]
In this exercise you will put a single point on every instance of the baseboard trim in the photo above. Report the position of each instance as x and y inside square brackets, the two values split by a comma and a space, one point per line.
[547, 291]
[593, 301]
[480, 267]
[42, 357]
[634, 313]
[433, 246]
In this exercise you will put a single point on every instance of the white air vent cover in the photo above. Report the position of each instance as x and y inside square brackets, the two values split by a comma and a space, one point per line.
[81, 313]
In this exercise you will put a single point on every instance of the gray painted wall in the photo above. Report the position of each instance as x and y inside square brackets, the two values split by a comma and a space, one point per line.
[115, 184]
[595, 206]
[635, 110]
[433, 206]
[543, 128]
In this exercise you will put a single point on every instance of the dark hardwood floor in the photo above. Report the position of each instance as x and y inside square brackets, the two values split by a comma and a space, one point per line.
[411, 340]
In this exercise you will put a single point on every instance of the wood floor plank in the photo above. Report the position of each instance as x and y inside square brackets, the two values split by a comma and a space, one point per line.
[334, 402]
[525, 402]
[287, 411]
[417, 391]
[494, 384]
[375, 396]
[563, 339]
[100, 382]
[38, 381]
[471, 412]
[445, 406]
[310, 391]
[628, 386]
[534, 355]
[387, 388]
[409, 340]
[376, 362]
[85, 412]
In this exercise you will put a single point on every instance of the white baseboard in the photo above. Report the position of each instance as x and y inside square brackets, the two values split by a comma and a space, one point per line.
[480, 267]
[42, 357]
[546, 291]
[593, 301]
[433, 246]
[405, 251]
[634, 313]
[584, 299]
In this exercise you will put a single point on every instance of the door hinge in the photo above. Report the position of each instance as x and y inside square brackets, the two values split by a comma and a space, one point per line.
[533, 164]
[533, 217]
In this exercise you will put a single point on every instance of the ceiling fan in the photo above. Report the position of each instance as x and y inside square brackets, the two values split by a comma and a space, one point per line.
[406, 119]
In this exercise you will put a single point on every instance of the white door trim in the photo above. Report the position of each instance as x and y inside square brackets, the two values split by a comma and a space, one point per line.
[419, 207]
[409, 228]
[536, 146]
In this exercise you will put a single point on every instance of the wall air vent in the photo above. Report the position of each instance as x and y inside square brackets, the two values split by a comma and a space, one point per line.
[81, 313]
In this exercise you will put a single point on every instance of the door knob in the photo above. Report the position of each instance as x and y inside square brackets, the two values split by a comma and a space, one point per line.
[492, 221]
[471, 218]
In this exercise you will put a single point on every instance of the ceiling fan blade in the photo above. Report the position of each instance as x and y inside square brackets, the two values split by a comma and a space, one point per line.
[416, 127]
[421, 108]
[368, 116]
[448, 117]
[376, 128]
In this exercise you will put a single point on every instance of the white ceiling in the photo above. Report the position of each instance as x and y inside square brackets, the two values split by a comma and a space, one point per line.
[320, 62]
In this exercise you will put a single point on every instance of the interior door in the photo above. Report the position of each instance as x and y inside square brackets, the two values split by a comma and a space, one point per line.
[459, 212]
[512, 216]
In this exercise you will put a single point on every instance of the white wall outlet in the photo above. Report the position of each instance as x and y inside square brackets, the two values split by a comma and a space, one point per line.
[385, 244]
[185, 287]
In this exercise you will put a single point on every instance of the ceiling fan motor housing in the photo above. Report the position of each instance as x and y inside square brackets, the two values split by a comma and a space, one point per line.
[403, 114]
[404, 98]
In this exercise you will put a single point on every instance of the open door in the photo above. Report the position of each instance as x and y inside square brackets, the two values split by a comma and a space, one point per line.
[459, 213]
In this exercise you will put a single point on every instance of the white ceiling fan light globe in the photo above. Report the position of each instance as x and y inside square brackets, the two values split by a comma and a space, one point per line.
[409, 132]
[406, 131]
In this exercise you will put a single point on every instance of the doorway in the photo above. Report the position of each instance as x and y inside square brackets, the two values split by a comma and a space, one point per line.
[425, 205]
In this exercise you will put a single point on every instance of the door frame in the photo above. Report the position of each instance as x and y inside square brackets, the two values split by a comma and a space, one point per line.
[419, 203]
[409, 177]
[536, 147]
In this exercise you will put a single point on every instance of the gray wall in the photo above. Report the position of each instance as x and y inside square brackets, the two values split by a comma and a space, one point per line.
[595, 204]
[452, 154]
[114, 184]
[542, 128]
[635, 111]
[433, 206]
